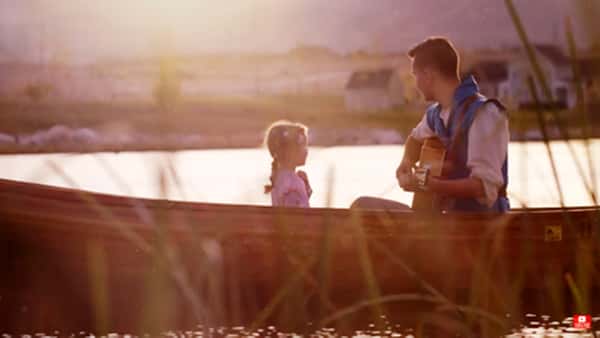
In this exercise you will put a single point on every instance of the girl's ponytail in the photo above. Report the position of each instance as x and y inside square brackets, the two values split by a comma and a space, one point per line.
[269, 187]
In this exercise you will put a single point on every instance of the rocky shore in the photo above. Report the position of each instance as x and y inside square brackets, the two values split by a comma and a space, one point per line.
[61, 138]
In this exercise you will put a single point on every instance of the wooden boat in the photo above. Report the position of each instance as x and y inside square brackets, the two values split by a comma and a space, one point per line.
[74, 260]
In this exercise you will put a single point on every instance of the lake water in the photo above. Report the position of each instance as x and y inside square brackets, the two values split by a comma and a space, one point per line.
[338, 174]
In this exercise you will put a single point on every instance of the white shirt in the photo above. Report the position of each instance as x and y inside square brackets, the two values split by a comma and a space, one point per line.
[488, 145]
[289, 190]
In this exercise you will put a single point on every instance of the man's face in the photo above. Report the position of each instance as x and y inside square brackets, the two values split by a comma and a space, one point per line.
[424, 80]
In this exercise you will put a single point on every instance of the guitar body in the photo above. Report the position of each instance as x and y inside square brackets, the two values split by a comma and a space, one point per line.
[433, 154]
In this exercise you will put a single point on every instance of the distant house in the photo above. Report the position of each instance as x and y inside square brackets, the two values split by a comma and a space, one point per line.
[489, 76]
[557, 70]
[373, 90]
[505, 77]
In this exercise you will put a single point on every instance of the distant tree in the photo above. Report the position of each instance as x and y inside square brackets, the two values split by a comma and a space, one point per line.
[359, 55]
[312, 52]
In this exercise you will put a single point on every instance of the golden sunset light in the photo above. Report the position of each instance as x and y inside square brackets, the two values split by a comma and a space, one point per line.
[299, 168]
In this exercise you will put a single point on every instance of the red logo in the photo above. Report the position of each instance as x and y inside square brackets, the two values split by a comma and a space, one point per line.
[582, 321]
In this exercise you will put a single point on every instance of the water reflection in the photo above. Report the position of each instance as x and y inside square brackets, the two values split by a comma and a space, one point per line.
[534, 327]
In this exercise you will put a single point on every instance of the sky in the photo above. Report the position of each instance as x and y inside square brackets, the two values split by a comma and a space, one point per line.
[77, 30]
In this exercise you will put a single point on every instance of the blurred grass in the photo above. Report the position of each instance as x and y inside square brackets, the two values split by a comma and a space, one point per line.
[544, 130]
[539, 79]
[98, 279]
[586, 252]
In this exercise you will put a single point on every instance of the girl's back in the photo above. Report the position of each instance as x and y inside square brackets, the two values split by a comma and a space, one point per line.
[289, 190]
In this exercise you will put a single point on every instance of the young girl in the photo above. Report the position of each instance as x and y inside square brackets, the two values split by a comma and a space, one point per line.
[287, 143]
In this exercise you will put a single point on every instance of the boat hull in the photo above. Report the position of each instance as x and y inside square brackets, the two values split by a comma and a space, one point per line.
[74, 260]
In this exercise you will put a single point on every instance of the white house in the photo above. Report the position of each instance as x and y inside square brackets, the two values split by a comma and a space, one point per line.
[373, 90]
[490, 74]
[515, 91]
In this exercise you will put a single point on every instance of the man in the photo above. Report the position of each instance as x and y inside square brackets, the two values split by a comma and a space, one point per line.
[472, 128]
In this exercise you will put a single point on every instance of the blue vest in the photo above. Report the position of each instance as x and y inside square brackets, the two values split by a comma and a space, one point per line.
[455, 137]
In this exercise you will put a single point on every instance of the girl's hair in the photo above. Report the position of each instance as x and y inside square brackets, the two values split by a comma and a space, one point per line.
[278, 139]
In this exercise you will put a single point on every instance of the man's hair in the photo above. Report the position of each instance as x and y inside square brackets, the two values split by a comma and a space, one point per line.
[436, 52]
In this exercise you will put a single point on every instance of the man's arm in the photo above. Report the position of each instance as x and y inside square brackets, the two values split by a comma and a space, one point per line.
[488, 146]
[470, 187]
[412, 151]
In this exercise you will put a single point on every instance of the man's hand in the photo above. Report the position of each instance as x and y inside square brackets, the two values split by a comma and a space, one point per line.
[404, 174]
[405, 177]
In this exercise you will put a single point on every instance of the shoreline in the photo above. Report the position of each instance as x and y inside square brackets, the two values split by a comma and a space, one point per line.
[61, 139]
